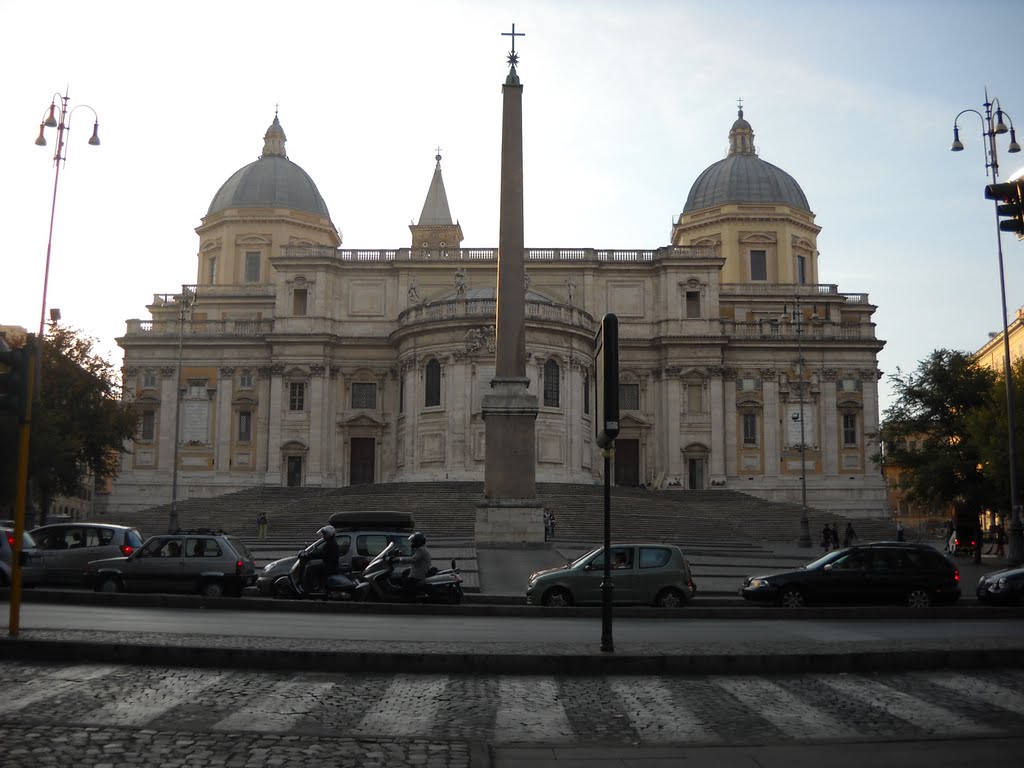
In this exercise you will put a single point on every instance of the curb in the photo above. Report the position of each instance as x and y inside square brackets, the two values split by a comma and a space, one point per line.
[570, 664]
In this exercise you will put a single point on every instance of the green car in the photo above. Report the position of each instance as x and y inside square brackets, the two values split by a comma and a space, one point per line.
[643, 574]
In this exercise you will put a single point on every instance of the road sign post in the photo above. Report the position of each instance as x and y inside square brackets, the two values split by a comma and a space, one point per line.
[606, 363]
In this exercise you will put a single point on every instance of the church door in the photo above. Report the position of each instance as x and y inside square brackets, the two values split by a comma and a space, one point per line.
[362, 461]
[695, 472]
[294, 471]
[627, 462]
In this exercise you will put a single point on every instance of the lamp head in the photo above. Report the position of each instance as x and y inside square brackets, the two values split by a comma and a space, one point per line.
[1000, 126]
[51, 121]
[957, 145]
[95, 138]
[40, 139]
[1014, 146]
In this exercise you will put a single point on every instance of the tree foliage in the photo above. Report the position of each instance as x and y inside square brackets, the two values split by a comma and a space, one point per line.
[988, 429]
[926, 431]
[79, 423]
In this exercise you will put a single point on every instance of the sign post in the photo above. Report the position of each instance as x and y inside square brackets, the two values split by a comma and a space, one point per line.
[606, 363]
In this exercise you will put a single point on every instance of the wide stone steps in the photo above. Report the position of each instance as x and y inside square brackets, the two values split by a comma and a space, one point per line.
[712, 520]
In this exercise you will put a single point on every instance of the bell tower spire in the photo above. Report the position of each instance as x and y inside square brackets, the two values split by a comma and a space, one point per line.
[435, 228]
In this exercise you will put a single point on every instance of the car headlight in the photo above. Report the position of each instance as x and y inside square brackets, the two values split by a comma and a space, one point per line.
[759, 583]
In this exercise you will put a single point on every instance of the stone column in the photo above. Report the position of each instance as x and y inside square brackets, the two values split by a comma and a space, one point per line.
[510, 511]
[830, 436]
[224, 434]
[274, 408]
[718, 429]
[318, 412]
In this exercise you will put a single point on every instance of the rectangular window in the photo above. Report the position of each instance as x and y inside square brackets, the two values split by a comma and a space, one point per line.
[296, 396]
[148, 380]
[694, 398]
[758, 265]
[212, 270]
[364, 395]
[252, 266]
[148, 429]
[692, 304]
[197, 388]
[801, 270]
[245, 381]
[401, 393]
[299, 302]
[244, 426]
[849, 429]
[586, 393]
[629, 397]
[750, 429]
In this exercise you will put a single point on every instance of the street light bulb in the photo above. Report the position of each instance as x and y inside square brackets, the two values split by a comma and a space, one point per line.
[957, 145]
[1000, 125]
[95, 139]
[40, 139]
[51, 121]
[1014, 146]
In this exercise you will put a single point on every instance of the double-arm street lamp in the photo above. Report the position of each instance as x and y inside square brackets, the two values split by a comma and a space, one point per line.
[59, 117]
[993, 123]
[184, 305]
[805, 523]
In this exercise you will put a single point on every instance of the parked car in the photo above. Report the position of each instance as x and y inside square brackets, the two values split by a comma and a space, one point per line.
[1005, 587]
[882, 572]
[646, 574]
[361, 536]
[212, 563]
[31, 563]
[68, 547]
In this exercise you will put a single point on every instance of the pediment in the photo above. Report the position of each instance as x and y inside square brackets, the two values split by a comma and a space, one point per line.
[632, 420]
[361, 420]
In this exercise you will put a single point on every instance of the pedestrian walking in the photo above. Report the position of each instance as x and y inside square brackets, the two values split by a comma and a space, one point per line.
[261, 525]
[547, 524]
[900, 535]
[849, 535]
[1000, 539]
[835, 535]
[551, 524]
[826, 538]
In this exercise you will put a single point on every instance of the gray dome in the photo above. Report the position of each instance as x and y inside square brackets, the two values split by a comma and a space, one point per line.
[272, 181]
[743, 177]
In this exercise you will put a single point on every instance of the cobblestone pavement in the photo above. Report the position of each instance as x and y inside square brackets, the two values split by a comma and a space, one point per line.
[115, 715]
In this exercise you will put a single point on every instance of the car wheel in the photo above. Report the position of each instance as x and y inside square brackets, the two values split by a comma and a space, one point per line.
[670, 598]
[110, 585]
[557, 598]
[211, 589]
[281, 589]
[792, 598]
[919, 598]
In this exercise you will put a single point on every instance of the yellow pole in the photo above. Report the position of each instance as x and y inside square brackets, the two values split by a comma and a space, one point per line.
[21, 491]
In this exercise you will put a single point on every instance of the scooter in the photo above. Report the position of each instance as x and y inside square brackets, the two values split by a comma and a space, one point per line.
[339, 586]
[380, 582]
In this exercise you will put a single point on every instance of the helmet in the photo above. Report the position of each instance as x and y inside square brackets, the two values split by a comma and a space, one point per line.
[417, 540]
[327, 532]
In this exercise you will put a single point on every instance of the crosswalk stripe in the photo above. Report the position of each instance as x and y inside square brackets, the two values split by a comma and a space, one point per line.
[655, 714]
[782, 709]
[930, 718]
[529, 710]
[143, 701]
[278, 709]
[407, 708]
[50, 683]
[976, 688]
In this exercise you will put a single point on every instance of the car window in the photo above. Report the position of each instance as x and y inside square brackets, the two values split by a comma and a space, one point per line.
[134, 539]
[170, 547]
[75, 537]
[858, 560]
[202, 547]
[98, 537]
[654, 557]
[924, 560]
[240, 548]
[344, 544]
[622, 558]
[372, 544]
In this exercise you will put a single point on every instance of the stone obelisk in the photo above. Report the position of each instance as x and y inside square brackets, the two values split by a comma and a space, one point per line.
[510, 512]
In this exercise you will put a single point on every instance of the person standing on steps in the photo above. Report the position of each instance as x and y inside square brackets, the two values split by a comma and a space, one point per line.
[835, 535]
[826, 538]
[261, 525]
[849, 535]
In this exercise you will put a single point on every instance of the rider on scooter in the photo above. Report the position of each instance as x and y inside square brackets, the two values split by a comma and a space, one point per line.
[419, 562]
[328, 565]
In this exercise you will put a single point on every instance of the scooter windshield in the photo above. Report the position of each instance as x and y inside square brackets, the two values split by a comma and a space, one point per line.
[381, 556]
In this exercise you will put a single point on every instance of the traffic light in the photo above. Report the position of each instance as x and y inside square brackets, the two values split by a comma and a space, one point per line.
[1011, 205]
[14, 372]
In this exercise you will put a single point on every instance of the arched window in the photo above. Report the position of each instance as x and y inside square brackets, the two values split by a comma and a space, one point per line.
[551, 384]
[433, 383]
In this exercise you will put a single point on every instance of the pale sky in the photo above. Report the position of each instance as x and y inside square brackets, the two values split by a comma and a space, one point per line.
[625, 103]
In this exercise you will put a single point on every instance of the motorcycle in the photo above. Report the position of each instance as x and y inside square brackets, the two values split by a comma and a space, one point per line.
[295, 584]
[380, 582]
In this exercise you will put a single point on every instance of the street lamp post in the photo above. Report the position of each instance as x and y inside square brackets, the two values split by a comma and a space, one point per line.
[805, 523]
[59, 117]
[184, 304]
[992, 124]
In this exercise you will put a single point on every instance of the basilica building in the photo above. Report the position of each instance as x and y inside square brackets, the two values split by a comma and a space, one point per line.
[292, 361]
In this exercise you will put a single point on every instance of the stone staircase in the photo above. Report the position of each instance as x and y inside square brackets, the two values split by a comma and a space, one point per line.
[699, 520]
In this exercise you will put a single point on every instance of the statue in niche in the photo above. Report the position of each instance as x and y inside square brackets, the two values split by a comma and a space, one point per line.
[570, 284]
[526, 281]
[414, 292]
[460, 282]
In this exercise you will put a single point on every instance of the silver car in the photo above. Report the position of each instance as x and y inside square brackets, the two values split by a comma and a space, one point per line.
[68, 547]
[645, 574]
[31, 563]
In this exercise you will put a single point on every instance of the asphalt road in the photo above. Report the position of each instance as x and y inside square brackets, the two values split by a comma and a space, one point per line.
[666, 632]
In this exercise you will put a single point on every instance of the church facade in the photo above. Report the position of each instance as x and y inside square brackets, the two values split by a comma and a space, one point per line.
[292, 361]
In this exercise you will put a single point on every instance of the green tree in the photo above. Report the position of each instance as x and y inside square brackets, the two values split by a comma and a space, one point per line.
[988, 429]
[933, 408]
[79, 422]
